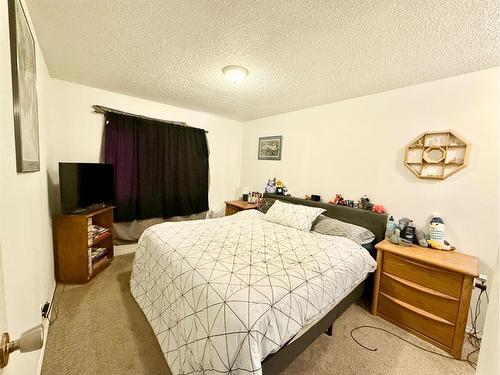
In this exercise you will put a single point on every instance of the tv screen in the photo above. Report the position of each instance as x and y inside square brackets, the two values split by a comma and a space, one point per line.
[83, 185]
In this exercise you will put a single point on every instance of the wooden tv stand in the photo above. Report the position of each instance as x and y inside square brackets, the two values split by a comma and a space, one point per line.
[73, 245]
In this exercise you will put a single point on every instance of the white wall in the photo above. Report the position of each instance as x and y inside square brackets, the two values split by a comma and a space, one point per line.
[77, 134]
[25, 228]
[489, 359]
[356, 147]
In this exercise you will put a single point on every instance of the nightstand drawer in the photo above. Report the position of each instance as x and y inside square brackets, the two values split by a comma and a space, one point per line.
[433, 278]
[233, 207]
[230, 210]
[416, 319]
[434, 302]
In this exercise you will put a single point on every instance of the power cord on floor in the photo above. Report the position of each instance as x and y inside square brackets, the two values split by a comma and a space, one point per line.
[473, 335]
[55, 306]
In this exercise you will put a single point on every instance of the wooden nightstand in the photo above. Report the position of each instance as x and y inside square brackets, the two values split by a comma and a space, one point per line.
[426, 292]
[236, 206]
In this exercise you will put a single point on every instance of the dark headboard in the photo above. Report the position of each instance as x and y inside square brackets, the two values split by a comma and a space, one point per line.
[364, 218]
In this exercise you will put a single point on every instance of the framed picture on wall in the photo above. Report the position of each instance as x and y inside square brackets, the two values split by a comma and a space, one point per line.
[25, 104]
[270, 148]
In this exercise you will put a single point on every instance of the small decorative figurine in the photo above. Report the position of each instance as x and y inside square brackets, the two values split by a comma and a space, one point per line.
[436, 235]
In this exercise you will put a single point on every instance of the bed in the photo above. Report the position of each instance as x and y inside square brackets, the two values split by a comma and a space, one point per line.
[242, 295]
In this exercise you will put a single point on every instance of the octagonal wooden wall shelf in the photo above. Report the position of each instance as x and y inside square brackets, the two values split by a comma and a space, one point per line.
[437, 155]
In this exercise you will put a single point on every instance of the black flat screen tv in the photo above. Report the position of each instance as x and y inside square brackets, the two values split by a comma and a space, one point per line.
[85, 186]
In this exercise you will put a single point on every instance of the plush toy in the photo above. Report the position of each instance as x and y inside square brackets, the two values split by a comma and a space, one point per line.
[337, 199]
[436, 235]
[271, 186]
[280, 187]
[394, 236]
[378, 208]
[364, 203]
[419, 235]
[407, 231]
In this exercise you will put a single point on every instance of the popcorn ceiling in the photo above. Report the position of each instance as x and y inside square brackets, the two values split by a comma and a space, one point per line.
[299, 54]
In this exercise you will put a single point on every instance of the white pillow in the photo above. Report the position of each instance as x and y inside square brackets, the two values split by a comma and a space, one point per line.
[293, 215]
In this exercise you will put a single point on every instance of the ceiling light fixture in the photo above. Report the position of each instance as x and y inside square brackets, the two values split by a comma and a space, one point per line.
[235, 73]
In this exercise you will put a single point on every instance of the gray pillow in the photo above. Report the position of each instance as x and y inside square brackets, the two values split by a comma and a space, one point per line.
[334, 227]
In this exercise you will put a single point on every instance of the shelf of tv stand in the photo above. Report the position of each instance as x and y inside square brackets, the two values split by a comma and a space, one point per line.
[100, 238]
[71, 245]
[100, 265]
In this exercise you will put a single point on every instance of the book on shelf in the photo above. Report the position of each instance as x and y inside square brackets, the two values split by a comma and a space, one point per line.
[97, 253]
[95, 233]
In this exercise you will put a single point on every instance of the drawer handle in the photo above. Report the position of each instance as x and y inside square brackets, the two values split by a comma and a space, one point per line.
[420, 287]
[418, 311]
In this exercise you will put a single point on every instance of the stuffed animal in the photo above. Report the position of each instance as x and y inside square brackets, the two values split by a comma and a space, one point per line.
[394, 236]
[407, 231]
[436, 234]
[280, 187]
[337, 199]
[364, 203]
[271, 186]
[378, 208]
[419, 235]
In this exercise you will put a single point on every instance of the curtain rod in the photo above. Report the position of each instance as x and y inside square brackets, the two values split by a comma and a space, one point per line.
[104, 110]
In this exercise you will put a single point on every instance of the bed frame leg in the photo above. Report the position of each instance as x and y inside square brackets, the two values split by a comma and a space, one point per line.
[329, 330]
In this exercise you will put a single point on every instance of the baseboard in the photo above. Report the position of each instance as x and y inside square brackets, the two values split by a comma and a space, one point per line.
[46, 325]
[125, 249]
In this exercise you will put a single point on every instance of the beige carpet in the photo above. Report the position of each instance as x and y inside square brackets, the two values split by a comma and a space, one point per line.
[101, 330]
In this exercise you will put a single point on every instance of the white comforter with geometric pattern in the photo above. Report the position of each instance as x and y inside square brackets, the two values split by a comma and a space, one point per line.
[222, 294]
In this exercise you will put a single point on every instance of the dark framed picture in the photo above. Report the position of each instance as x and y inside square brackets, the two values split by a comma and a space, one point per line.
[25, 104]
[270, 148]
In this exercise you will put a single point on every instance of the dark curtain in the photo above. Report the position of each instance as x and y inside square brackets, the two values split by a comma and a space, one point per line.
[161, 169]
